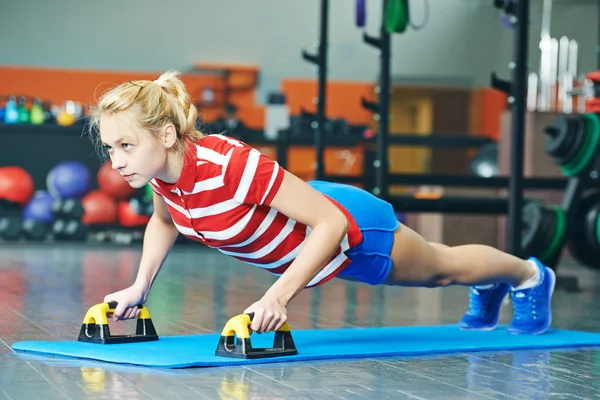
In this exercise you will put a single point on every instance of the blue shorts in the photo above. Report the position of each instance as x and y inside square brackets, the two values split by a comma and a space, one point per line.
[370, 260]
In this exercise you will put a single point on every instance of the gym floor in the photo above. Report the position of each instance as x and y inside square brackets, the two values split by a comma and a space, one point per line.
[46, 289]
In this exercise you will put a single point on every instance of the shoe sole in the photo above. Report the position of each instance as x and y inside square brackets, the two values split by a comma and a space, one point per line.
[487, 328]
[545, 327]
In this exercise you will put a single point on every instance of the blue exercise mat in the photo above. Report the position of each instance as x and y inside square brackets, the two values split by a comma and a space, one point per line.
[198, 350]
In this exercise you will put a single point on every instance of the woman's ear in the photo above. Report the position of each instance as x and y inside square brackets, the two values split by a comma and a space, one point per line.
[169, 136]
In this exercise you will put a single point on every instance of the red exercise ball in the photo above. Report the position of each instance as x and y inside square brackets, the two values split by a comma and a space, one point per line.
[128, 216]
[112, 183]
[16, 185]
[99, 208]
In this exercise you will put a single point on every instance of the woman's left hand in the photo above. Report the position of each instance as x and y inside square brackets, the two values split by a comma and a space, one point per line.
[269, 315]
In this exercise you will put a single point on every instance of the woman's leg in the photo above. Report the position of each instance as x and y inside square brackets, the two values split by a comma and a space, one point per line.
[417, 262]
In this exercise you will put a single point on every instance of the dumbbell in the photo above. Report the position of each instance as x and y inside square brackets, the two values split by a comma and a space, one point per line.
[67, 209]
[69, 230]
[13, 228]
[10, 220]
[68, 225]
[35, 230]
[142, 205]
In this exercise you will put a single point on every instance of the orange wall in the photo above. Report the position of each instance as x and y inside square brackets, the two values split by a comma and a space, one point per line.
[487, 105]
[85, 86]
[343, 98]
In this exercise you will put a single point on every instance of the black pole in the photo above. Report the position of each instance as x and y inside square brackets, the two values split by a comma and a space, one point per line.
[382, 164]
[322, 91]
[320, 60]
[515, 195]
[598, 44]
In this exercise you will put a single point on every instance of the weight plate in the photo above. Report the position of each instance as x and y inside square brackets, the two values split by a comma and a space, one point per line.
[575, 240]
[564, 138]
[532, 220]
[590, 237]
[590, 146]
[577, 137]
[560, 135]
[568, 167]
[598, 229]
[558, 235]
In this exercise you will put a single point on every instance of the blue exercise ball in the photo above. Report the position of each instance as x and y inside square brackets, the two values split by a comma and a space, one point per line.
[39, 207]
[69, 179]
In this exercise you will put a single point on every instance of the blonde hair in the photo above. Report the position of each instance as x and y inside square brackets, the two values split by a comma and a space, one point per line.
[154, 104]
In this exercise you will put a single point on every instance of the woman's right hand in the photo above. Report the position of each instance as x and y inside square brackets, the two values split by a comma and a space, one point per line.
[128, 301]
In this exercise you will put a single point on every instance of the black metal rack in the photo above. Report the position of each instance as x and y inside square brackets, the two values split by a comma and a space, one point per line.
[517, 140]
[516, 183]
[382, 107]
[320, 60]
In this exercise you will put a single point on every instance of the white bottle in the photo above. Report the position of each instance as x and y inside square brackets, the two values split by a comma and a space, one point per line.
[277, 116]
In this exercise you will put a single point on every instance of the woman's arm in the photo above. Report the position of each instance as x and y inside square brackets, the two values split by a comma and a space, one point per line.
[299, 201]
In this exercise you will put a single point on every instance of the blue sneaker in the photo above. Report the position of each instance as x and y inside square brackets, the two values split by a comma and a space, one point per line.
[484, 308]
[532, 309]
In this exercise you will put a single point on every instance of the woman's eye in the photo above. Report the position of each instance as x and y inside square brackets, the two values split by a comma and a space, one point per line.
[126, 146]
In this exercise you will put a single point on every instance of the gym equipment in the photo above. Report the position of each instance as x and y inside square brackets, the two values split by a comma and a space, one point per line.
[37, 216]
[544, 230]
[10, 221]
[68, 209]
[68, 179]
[592, 233]
[572, 141]
[23, 111]
[112, 183]
[235, 341]
[37, 113]
[11, 111]
[361, 13]
[199, 350]
[40, 207]
[69, 230]
[99, 208]
[320, 60]
[16, 185]
[95, 327]
[68, 114]
[35, 230]
[581, 244]
[48, 116]
[68, 224]
[141, 205]
[129, 217]
[10, 228]
[485, 162]
[396, 16]
[508, 8]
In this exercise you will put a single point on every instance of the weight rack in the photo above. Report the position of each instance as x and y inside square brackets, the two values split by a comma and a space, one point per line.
[320, 60]
[516, 183]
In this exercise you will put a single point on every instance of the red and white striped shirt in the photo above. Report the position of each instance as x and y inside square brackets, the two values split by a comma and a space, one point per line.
[222, 200]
